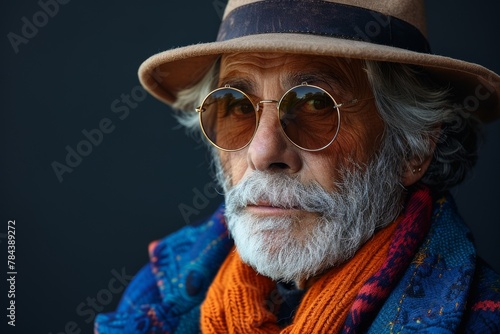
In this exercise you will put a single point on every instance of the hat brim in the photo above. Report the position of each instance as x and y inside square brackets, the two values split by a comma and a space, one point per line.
[168, 72]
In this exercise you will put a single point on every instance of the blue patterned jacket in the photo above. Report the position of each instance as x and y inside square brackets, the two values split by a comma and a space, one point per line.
[446, 288]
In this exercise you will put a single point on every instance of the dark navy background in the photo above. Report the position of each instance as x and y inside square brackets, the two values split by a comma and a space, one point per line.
[79, 240]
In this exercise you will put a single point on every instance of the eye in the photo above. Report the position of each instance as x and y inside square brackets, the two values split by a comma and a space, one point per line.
[316, 102]
[240, 107]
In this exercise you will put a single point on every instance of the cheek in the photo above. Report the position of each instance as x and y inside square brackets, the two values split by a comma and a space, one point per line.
[359, 139]
[353, 146]
[234, 165]
[356, 143]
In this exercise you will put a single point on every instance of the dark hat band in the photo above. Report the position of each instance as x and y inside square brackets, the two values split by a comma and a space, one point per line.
[321, 18]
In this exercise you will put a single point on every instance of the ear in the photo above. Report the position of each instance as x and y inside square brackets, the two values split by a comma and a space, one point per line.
[416, 167]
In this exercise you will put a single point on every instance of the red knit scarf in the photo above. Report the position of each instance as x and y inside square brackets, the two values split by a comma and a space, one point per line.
[242, 301]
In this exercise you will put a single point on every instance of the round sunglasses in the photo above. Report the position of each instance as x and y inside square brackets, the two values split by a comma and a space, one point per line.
[309, 117]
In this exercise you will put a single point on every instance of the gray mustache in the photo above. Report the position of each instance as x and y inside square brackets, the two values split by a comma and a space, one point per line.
[280, 190]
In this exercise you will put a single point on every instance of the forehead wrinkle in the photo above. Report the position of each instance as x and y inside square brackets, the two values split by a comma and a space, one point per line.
[247, 72]
[239, 79]
[230, 74]
[255, 67]
[252, 82]
[327, 75]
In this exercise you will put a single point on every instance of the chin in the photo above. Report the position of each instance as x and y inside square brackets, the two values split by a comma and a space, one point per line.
[272, 246]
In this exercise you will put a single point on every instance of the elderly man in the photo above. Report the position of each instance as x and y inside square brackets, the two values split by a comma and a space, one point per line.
[335, 134]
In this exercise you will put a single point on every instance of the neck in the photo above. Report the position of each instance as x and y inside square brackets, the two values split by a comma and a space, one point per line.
[304, 284]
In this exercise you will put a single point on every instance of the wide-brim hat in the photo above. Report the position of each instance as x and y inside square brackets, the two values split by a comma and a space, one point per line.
[388, 31]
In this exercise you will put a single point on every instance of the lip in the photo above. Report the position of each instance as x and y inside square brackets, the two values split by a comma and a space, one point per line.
[267, 209]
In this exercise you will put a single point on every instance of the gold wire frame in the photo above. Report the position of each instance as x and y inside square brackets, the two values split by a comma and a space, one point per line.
[336, 106]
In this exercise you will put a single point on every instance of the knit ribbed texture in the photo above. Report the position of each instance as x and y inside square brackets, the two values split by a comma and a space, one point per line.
[238, 300]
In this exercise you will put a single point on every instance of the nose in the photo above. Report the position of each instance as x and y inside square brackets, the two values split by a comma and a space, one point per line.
[270, 150]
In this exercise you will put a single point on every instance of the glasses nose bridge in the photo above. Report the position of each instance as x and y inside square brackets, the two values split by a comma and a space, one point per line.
[276, 102]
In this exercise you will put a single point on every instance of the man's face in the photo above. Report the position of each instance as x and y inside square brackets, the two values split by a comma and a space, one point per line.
[271, 217]
[268, 77]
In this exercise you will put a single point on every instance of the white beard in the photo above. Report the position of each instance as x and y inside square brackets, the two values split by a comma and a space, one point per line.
[288, 248]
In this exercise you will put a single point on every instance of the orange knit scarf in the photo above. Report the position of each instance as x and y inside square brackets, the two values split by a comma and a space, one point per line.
[242, 301]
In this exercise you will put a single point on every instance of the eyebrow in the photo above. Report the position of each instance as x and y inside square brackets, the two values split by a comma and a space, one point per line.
[329, 79]
[244, 84]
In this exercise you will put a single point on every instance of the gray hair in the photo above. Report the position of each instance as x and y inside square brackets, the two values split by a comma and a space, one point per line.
[189, 99]
[417, 113]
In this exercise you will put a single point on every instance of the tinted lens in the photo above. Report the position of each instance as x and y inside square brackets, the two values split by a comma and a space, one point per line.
[228, 118]
[309, 117]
